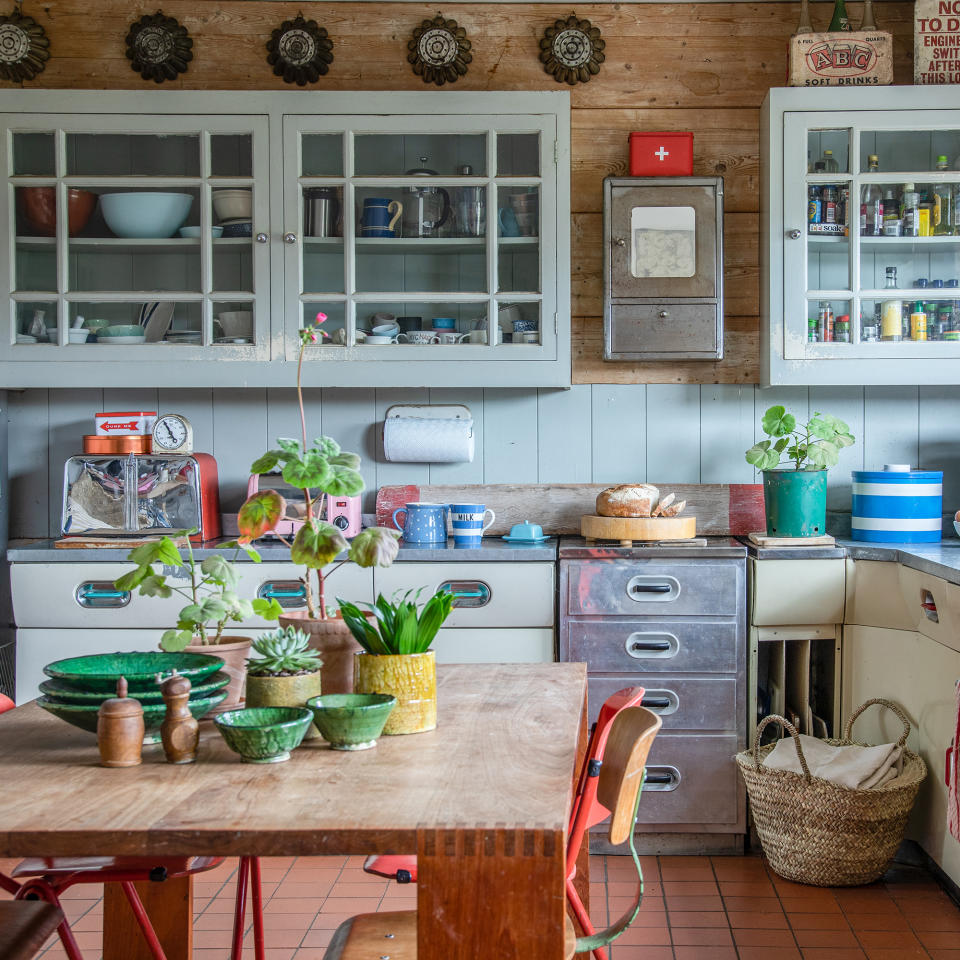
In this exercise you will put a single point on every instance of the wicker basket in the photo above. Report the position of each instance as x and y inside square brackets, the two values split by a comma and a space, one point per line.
[817, 832]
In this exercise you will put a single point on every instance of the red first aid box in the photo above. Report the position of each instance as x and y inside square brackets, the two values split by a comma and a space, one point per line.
[661, 154]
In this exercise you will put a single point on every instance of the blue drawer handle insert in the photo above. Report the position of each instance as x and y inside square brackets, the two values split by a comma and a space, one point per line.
[288, 593]
[100, 594]
[467, 593]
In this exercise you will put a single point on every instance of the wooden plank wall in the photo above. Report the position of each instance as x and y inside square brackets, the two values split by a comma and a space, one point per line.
[699, 66]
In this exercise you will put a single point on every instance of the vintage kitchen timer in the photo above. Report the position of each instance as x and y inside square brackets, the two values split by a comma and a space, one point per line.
[172, 433]
[663, 268]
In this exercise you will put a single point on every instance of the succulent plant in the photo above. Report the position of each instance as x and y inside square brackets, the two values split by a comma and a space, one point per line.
[283, 653]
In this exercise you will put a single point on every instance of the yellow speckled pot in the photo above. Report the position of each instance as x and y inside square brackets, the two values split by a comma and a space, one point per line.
[285, 692]
[411, 678]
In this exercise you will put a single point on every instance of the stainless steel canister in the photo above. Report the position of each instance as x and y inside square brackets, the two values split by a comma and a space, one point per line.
[321, 212]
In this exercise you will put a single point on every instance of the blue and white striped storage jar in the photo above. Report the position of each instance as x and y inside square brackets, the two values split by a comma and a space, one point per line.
[897, 505]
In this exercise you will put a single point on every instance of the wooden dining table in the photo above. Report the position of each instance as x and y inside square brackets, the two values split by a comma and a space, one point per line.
[483, 800]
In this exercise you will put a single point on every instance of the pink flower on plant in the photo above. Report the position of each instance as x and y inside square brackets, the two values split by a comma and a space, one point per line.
[313, 337]
[321, 318]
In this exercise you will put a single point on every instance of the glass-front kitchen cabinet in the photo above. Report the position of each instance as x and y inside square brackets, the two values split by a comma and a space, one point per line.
[186, 238]
[860, 258]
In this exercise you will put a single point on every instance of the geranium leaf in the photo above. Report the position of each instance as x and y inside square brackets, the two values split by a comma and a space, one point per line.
[375, 547]
[267, 462]
[260, 513]
[344, 483]
[327, 446]
[312, 471]
[317, 544]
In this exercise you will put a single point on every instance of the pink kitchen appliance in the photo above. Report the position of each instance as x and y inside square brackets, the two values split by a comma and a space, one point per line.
[342, 512]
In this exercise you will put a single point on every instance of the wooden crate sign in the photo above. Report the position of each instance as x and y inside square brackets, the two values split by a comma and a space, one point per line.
[936, 41]
[858, 59]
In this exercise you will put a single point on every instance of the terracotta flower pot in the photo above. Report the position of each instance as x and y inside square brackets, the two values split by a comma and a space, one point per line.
[411, 678]
[335, 642]
[234, 652]
[292, 691]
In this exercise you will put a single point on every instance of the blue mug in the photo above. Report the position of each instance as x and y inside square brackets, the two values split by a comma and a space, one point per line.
[380, 216]
[466, 519]
[423, 522]
[509, 226]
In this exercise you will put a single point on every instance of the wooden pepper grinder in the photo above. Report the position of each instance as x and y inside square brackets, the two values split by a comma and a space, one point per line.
[180, 731]
[120, 729]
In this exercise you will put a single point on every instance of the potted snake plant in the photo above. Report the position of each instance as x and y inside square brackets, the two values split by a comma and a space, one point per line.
[285, 671]
[396, 657]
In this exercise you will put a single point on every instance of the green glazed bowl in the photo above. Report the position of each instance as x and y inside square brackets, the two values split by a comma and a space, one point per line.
[84, 715]
[100, 671]
[264, 734]
[351, 721]
[62, 691]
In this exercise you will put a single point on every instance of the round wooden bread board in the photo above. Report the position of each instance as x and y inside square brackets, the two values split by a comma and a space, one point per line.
[628, 529]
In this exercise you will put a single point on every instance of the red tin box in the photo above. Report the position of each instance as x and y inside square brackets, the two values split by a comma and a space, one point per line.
[661, 154]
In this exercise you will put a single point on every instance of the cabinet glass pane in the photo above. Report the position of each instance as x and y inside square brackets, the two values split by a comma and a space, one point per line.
[323, 265]
[430, 266]
[909, 151]
[322, 155]
[663, 242]
[518, 154]
[35, 262]
[161, 321]
[518, 265]
[910, 209]
[138, 155]
[332, 332]
[426, 323]
[443, 154]
[36, 211]
[468, 211]
[829, 148]
[133, 266]
[323, 211]
[35, 322]
[233, 264]
[828, 321]
[233, 322]
[924, 316]
[828, 263]
[519, 322]
[33, 155]
[231, 155]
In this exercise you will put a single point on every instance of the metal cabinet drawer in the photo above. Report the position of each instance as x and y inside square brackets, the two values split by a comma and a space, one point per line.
[654, 588]
[704, 785]
[683, 703]
[653, 646]
[665, 331]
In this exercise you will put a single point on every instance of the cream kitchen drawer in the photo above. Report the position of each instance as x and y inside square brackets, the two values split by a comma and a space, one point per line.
[683, 703]
[653, 646]
[502, 645]
[875, 597]
[38, 647]
[928, 602]
[653, 588]
[796, 591]
[488, 594]
[281, 580]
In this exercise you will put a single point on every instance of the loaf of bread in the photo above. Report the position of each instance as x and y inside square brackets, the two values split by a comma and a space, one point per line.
[627, 500]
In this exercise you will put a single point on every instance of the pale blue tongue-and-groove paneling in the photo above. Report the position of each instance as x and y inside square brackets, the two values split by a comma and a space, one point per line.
[592, 433]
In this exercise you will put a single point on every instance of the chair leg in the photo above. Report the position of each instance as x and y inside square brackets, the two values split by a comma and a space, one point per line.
[256, 893]
[146, 927]
[600, 953]
[240, 910]
[38, 889]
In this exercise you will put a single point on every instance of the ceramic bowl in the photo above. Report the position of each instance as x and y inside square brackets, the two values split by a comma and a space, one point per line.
[264, 734]
[100, 671]
[145, 215]
[78, 335]
[96, 323]
[523, 325]
[241, 228]
[351, 721]
[236, 323]
[63, 691]
[38, 205]
[120, 330]
[194, 232]
[443, 323]
[232, 203]
[84, 715]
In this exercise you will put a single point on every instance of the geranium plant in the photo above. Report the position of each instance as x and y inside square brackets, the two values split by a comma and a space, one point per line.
[814, 445]
[320, 469]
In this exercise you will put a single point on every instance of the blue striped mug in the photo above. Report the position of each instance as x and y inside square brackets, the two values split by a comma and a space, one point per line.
[466, 519]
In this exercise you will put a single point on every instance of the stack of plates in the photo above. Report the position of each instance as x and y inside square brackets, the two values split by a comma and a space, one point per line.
[78, 685]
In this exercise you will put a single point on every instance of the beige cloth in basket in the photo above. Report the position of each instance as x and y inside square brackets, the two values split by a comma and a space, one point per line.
[854, 767]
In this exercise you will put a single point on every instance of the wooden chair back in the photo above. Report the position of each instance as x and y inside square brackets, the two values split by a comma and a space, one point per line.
[624, 759]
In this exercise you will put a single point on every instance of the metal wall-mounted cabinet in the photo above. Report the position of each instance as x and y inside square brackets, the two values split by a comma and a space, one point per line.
[310, 174]
[834, 224]
[663, 268]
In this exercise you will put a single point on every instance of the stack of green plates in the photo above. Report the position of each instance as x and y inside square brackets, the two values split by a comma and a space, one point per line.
[78, 685]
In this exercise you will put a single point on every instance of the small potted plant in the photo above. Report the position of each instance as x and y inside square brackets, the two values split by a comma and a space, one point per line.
[795, 496]
[397, 658]
[286, 672]
[320, 469]
[210, 589]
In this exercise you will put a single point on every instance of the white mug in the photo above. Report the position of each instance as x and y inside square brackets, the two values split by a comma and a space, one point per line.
[480, 336]
[376, 338]
[451, 336]
[419, 336]
[529, 336]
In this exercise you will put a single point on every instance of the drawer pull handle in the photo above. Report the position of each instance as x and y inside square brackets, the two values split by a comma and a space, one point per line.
[290, 594]
[655, 703]
[650, 588]
[652, 644]
[661, 779]
[467, 593]
[658, 645]
[100, 595]
[653, 778]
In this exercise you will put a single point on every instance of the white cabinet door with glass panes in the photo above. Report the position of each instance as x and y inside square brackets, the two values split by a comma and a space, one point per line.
[131, 243]
[431, 241]
[863, 211]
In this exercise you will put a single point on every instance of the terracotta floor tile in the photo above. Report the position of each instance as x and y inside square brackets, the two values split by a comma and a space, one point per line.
[627, 952]
[938, 940]
[707, 918]
[764, 938]
[288, 921]
[897, 953]
[942, 921]
[822, 904]
[938, 954]
[826, 938]
[701, 936]
[832, 953]
[818, 921]
[317, 938]
[212, 921]
[787, 888]
[301, 890]
[893, 919]
[645, 936]
[694, 903]
[292, 905]
[278, 939]
[627, 888]
[747, 888]
[310, 953]
[689, 888]
[208, 938]
[748, 920]
[764, 953]
[887, 938]
[704, 953]
[753, 904]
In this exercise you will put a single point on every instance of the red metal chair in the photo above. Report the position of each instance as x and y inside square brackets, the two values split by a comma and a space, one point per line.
[587, 812]
[45, 878]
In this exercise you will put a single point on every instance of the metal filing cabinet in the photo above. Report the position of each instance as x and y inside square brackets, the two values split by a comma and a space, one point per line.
[673, 620]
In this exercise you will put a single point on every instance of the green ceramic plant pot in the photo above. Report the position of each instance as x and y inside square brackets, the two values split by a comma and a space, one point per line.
[292, 691]
[264, 734]
[796, 502]
[351, 721]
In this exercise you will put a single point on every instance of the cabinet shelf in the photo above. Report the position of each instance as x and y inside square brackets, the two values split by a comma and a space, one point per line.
[438, 245]
[125, 245]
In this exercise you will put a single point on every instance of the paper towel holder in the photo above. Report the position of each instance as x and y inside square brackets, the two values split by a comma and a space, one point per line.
[430, 411]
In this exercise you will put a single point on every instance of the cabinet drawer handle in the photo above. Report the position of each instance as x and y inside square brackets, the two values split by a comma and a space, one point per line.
[468, 593]
[650, 588]
[650, 645]
[290, 594]
[655, 703]
[661, 778]
[100, 595]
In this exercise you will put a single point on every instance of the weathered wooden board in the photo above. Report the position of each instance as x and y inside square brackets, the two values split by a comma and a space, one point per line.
[762, 540]
[720, 509]
[628, 529]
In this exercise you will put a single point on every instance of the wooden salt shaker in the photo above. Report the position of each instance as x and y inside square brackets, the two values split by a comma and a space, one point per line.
[180, 731]
[120, 729]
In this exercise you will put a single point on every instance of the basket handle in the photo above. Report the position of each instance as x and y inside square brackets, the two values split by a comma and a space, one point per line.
[792, 730]
[886, 703]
